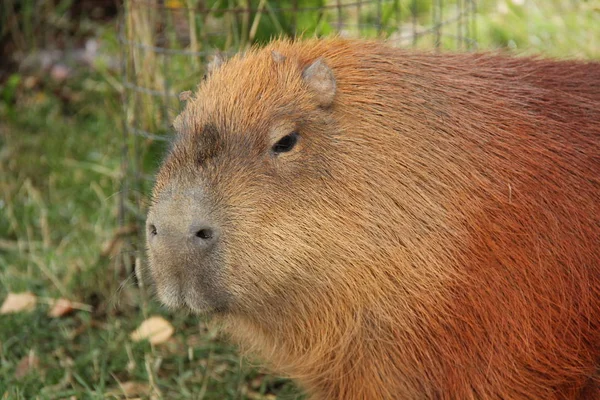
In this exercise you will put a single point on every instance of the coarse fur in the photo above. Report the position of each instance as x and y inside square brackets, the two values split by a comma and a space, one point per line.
[435, 233]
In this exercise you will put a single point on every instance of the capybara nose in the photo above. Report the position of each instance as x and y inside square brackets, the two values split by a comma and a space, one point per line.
[205, 233]
[201, 233]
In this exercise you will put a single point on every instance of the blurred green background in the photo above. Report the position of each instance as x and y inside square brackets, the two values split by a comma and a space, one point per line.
[74, 178]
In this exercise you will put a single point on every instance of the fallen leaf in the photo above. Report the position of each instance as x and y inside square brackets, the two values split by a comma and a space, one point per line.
[155, 329]
[61, 307]
[18, 302]
[27, 363]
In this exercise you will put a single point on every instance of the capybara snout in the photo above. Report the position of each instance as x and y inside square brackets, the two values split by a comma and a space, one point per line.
[183, 236]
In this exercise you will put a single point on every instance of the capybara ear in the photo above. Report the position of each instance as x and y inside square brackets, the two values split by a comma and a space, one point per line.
[277, 57]
[217, 60]
[320, 79]
[185, 96]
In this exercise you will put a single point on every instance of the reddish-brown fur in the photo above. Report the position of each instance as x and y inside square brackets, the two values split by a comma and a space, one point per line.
[436, 235]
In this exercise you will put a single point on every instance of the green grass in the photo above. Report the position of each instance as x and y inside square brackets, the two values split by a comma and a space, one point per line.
[60, 175]
[555, 28]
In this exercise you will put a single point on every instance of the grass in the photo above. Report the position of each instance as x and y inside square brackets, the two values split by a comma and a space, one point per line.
[555, 28]
[60, 175]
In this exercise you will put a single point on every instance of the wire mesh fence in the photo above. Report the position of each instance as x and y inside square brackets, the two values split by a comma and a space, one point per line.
[167, 43]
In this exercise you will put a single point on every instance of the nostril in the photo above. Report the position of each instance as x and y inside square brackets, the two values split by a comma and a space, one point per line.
[205, 233]
[152, 230]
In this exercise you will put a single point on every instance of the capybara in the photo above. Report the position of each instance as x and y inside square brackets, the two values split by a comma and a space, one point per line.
[379, 223]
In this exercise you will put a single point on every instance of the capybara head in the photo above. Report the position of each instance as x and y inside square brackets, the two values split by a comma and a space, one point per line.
[386, 224]
[248, 204]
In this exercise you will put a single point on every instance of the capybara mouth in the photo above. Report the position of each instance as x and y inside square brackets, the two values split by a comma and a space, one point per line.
[198, 301]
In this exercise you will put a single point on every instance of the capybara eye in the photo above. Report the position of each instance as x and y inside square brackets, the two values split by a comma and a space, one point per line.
[205, 233]
[152, 230]
[286, 143]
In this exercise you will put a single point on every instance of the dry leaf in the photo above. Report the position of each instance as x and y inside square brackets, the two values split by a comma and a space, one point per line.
[27, 363]
[18, 302]
[155, 329]
[61, 307]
